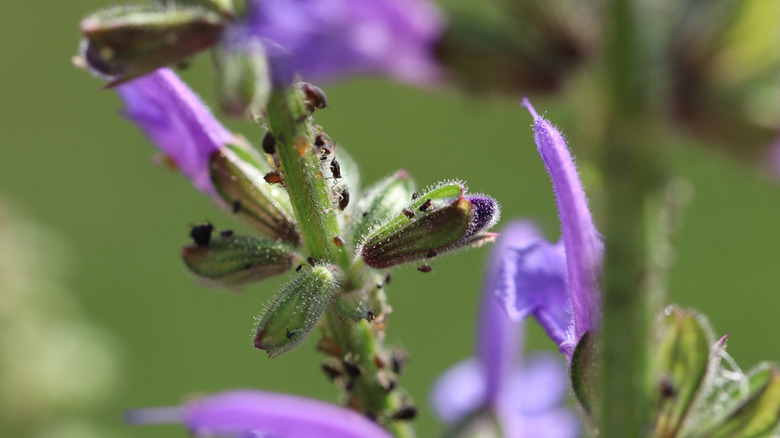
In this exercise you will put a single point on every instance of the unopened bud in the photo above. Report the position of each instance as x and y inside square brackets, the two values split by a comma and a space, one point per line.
[123, 43]
[243, 82]
[235, 261]
[296, 309]
[238, 177]
[381, 203]
[450, 221]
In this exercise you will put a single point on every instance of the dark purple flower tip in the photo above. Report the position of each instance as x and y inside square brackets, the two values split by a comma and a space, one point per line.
[177, 122]
[486, 212]
[242, 413]
[326, 39]
[582, 242]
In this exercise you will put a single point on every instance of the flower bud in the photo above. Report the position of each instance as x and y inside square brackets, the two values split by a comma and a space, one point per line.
[381, 202]
[243, 82]
[238, 178]
[680, 363]
[236, 261]
[294, 311]
[126, 42]
[442, 219]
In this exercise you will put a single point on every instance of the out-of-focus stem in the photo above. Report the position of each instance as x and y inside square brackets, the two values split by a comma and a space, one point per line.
[633, 171]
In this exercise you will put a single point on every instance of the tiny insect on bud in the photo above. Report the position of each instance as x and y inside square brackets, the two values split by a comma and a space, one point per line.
[273, 177]
[298, 269]
[335, 169]
[431, 254]
[424, 207]
[230, 261]
[425, 269]
[296, 309]
[408, 213]
[343, 198]
[201, 233]
[331, 371]
[226, 233]
[269, 143]
[235, 206]
[415, 195]
[338, 241]
[313, 96]
[370, 316]
[318, 141]
[351, 367]
[311, 261]
[408, 412]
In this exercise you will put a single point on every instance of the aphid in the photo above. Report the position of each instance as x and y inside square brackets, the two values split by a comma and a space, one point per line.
[318, 141]
[431, 254]
[425, 205]
[425, 268]
[273, 177]
[388, 278]
[338, 240]
[370, 316]
[408, 213]
[335, 169]
[415, 195]
[311, 261]
[343, 198]
[352, 369]
[298, 269]
[201, 233]
[331, 371]
[408, 412]
[365, 213]
[226, 233]
[236, 205]
[389, 385]
[269, 143]
[314, 95]
[399, 359]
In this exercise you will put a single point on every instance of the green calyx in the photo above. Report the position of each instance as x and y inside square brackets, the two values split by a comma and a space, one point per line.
[243, 78]
[123, 43]
[238, 175]
[296, 309]
[236, 261]
[439, 220]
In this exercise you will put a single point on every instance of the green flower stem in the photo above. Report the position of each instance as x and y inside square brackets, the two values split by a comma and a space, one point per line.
[633, 170]
[360, 343]
[309, 193]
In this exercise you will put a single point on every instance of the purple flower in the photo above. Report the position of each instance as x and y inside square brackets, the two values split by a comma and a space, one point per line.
[177, 122]
[326, 39]
[258, 414]
[557, 283]
[524, 397]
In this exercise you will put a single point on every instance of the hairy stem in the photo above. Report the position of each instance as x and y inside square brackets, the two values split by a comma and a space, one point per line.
[633, 172]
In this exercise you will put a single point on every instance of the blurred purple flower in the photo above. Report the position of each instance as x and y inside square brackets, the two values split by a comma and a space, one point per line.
[557, 283]
[258, 414]
[524, 397]
[326, 39]
[177, 122]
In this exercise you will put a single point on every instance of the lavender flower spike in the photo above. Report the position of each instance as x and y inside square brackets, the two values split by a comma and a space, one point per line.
[325, 39]
[525, 397]
[247, 413]
[557, 283]
[177, 122]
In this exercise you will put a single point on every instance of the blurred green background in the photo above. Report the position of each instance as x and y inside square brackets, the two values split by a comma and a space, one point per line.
[69, 162]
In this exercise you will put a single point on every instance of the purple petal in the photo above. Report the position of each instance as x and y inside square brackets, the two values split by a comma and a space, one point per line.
[498, 337]
[177, 122]
[533, 281]
[540, 384]
[459, 391]
[245, 413]
[325, 39]
[554, 423]
[580, 238]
